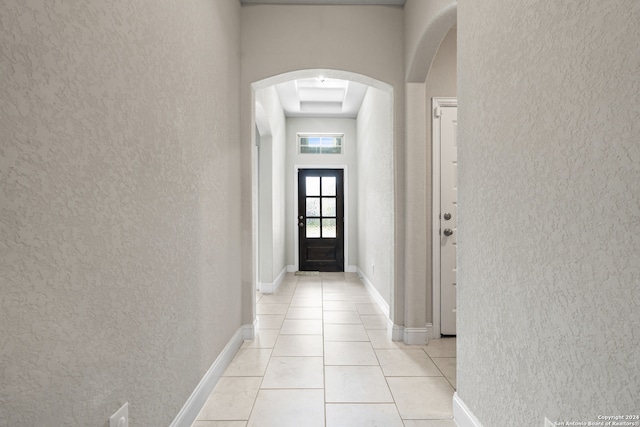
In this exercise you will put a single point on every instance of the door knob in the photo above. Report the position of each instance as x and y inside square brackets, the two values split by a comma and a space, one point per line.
[301, 224]
[448, 232]
[447, 216]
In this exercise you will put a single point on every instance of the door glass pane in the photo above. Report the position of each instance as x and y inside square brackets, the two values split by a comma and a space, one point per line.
[328, 206]
[313, 227]
[313, 185]
[328, 185]
[313, 206]
[329, 228]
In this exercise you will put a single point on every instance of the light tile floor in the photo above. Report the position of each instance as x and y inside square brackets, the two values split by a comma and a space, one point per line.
[322, 358]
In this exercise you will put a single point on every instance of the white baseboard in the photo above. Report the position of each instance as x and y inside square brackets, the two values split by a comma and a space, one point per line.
[411, 336]
[384, 306]
[462, 415]
[198, 398]
[291, 269]
[394, 332]
[435, 334]
[249, 331]
[265, 287]
[429, 327]
[416, 336]
[269, 288]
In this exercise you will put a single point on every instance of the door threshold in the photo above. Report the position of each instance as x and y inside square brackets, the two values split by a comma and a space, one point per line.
[307, 273]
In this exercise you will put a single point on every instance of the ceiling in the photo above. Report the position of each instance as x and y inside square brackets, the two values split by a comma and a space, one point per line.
[383, 2]
[321, 97]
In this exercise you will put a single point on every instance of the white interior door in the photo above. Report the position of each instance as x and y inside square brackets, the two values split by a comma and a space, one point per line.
[448, 217]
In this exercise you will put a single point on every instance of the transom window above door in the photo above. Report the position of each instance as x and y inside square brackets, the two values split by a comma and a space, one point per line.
[320, 143]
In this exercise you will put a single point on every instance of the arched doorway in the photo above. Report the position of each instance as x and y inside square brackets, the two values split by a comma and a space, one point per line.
[370, 237]
[424, 76]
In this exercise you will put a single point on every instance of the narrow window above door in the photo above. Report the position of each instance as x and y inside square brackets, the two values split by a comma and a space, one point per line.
[320, 143]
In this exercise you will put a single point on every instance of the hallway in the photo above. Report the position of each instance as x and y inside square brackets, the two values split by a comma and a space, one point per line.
[322, 358]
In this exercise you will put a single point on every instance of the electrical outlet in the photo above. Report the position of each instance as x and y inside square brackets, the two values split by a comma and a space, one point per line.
[121, 417]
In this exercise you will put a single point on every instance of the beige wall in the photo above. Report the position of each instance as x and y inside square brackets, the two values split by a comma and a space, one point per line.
[442, 78]
[440, 82]
[366, 40]
[272, 171]
[549, 173]
[119, 206]
[375, 192]
[425, 25]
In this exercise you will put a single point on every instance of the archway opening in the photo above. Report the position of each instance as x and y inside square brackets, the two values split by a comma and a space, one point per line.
[367, 159]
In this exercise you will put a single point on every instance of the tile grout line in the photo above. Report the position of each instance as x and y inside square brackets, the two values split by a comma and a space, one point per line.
[324, 361]
[349, 298]
[386, 381]
[265, 371]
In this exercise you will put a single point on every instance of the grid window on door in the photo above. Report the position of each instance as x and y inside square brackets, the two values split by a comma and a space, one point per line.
[321, 211]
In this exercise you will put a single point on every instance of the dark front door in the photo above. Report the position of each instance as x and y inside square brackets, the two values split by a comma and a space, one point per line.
[321, 219]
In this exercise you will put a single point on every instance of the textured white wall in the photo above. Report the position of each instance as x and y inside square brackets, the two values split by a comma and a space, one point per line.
[442, 78]
[440, 81]
[549, 161]
[425, 25]
[360, 39]
[119, 206]
[272, 188]
[375, 192]
[265, 211]
[280, 229]
[348, 157]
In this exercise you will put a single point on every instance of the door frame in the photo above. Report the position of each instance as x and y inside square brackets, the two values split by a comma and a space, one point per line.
[296, 229]
[436, 104]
